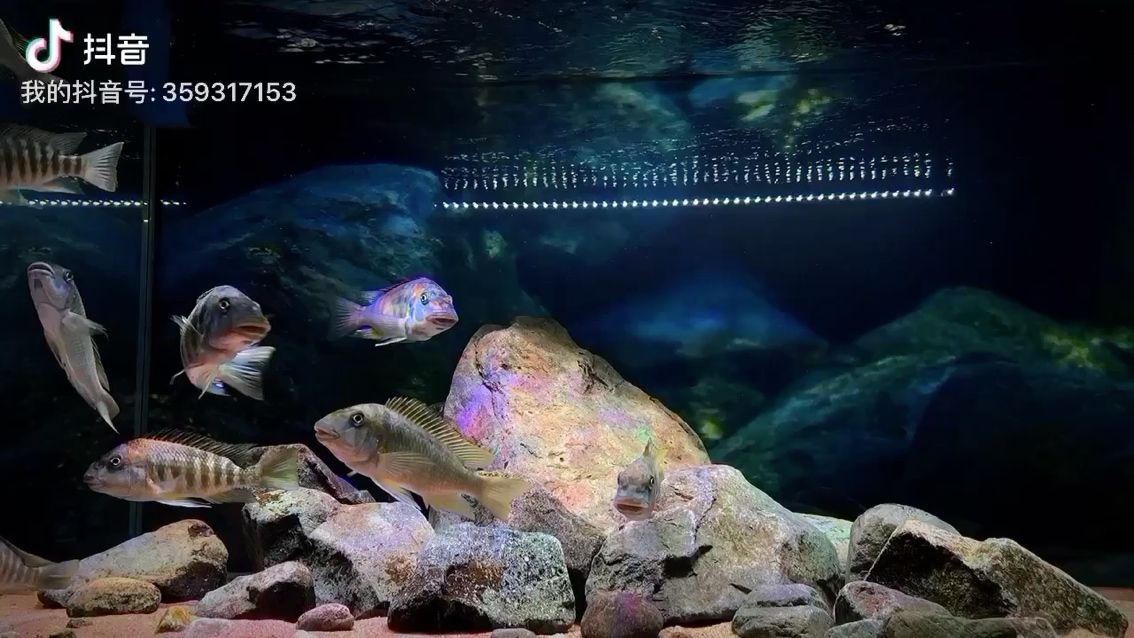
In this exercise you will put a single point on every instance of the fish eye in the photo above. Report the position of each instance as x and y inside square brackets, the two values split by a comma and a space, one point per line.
[223, 304]
[357, 419]
[651, 481]
[115, 462]
[68, 276]
[424, 299]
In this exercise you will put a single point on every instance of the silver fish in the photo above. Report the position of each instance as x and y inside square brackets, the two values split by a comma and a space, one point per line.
[190, 470]
[23, 572]
[69, 335]
[404, 446]
[36, 160]
[639, 484]
[218, 343]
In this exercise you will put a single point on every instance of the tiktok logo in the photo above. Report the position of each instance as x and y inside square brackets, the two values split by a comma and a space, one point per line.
[52, 45]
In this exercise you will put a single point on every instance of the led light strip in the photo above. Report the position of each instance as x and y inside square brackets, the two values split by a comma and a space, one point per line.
[104, 203]
[79, 203]
[703, 201]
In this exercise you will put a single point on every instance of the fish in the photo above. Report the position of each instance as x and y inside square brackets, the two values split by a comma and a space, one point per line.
[21, 572]
[35, 160]
[404, 446]
[12, 49]
[412, 310]
[186, 469]
[69, 334]
[639, 484]
[219, 343]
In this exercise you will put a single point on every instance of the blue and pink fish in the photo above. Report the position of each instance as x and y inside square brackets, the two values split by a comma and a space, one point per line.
[412, 310]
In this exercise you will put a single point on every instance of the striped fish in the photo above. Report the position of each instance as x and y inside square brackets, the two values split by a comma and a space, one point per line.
[36, 160]
[23, 572]
[190, 470]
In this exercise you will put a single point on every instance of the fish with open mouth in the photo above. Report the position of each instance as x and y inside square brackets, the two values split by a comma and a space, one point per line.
[413, 310]
[69, 334]
[219, 343]
[639, 484]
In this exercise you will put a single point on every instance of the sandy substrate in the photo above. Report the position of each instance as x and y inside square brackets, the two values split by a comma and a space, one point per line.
[23, 614]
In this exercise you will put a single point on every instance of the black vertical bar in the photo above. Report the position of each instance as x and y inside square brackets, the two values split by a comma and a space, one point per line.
[145, 303]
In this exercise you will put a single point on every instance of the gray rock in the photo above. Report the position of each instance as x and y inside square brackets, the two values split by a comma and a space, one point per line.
[870, 601]
[316, 475]
[837, 530]
[184, 560]
[538, 510]
[859, 629]
[513, 633]
[993, 578]
[921, 625]
[112, 596]
[329, 617]
[278, 527]
[480, 578]
[365, 554]
[78, 623]
[621, 615]
[715, 539]
[792, 595]
[781, 622]
[280, 592]
[872, 529]
[221, 628]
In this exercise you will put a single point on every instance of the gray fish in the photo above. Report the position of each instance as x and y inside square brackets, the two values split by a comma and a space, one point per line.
[190, 470]
[23, 572]
[404, 446]
[36, 160]
[218, 343]
[70, 335]
[639, 484]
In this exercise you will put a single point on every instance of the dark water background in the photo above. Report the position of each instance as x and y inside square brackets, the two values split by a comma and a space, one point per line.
[1030, 105]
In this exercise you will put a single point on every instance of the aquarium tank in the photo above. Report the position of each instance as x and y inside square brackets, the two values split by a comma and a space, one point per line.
[792, 319]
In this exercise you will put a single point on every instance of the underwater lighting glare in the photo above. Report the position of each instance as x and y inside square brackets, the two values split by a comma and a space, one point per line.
[98, 203]
[716, 201]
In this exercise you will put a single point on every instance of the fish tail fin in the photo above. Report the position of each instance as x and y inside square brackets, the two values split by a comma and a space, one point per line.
[107, 409]
[348, 317]
[100, 168]
[498, 492]
[279, 469]
[56, 575]
[246, 370]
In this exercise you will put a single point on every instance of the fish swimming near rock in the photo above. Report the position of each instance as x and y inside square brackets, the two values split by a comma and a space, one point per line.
[640, 483]
[404, 446]
[219, 343]
[22, 572]
[12, 48]
[186, 469]
[35, 160]
[413, 310]
[69, 334]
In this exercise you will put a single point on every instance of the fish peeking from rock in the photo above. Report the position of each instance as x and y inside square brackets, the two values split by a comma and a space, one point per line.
[219, 343]
[70, 335]
[405, 446]
[190, 470]
[21, 572]
[640, 483]
[413, 310]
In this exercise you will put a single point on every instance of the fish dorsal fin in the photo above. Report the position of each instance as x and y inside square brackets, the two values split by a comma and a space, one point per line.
[66, 143]
[31, 560]
[371, 295]
[416, 412]
[654, 451]
[239, 453]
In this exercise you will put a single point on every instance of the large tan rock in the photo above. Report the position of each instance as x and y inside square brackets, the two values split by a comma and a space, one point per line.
[560, 415]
